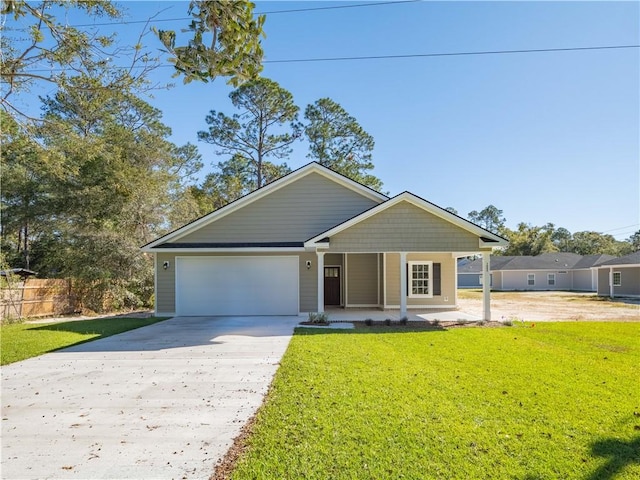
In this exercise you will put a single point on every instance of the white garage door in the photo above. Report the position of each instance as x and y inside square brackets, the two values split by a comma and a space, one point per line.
[237, 285]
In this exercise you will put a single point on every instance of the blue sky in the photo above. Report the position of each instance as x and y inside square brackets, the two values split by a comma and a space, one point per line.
[546, 137]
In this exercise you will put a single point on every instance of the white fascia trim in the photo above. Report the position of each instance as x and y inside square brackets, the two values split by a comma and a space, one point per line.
[230, 250]
[418, 202]
[261, 192]
[620, 265]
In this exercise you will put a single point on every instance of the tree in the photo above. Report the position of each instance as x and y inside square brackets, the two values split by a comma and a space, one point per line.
[594, 243]
[100, 182]
[337, 141]
[225, 42]
[38, 48]
[264, 106]
[491, 218]
[529, 240]
[452, 210]
[231, 180]
[634, 240]
[561, 238]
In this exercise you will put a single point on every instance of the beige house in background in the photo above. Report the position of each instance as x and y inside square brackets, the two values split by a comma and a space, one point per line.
[315, 240]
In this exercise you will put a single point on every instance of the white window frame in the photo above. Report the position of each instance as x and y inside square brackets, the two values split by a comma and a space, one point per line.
[531, 279]
[617, 275]
[551, 279]
[410, 279]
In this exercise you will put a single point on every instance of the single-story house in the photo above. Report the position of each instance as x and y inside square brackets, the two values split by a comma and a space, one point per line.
[620, 277]
[548, 271]
[312, 240]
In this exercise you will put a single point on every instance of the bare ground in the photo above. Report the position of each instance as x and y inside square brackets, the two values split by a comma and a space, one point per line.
[548, 306]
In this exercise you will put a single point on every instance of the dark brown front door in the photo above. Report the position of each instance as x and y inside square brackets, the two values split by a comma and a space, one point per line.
[332, 285]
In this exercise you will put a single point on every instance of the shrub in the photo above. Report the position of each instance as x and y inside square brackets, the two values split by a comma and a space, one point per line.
[404, 320]
[368, 322]
[387, 322]
[315, 317]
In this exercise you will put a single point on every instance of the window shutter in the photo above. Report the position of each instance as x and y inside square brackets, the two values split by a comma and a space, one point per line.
[437, 287]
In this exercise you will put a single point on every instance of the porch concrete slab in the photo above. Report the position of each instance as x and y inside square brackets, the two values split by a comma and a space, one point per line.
[355, 315]
[163, 401]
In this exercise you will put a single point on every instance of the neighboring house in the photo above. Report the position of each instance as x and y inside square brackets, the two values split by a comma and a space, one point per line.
[620, 277]
[548, 271]
[315, 239]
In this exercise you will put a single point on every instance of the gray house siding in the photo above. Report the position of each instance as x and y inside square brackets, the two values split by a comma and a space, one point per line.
[448, 281]
[518, 280]
[362, 279]
[295, 212]
[166, 288]
[629, 285]
[404, 227]
[583, 280]
[469, 280]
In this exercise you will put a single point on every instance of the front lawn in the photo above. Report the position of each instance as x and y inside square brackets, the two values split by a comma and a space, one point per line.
[554, 400]
[26, 340]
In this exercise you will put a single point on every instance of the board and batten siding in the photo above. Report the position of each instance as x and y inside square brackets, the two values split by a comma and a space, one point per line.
[362, 279]
[166, 287]
[448, 280]
[295, 212]
[404, 228]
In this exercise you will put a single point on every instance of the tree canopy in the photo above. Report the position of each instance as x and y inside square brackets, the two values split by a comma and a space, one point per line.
[225, 41]
[265, 127]
[336, 140]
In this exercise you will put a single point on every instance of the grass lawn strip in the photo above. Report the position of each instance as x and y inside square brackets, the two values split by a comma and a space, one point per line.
[558, 400]
[26, 340]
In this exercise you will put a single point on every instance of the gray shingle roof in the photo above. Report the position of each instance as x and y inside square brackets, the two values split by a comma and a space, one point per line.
[545, 261]
[631, 259]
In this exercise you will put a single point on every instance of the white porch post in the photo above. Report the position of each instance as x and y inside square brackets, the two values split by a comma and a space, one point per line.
[611, 291]
[486, 287]
[320, 281]
[403, 284]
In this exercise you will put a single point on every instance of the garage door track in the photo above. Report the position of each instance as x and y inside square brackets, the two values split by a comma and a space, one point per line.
[163, 401]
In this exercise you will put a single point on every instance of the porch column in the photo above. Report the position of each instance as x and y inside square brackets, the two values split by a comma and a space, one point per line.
[486, 287]
[403, 284]
[320, 281]
[611, 291]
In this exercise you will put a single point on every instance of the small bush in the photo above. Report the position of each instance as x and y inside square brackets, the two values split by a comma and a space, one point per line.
[404, 320]
[387, 322]
[315, 317]
[368, 322]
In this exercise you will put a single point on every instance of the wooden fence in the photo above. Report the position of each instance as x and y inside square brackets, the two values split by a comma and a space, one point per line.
[36, 297]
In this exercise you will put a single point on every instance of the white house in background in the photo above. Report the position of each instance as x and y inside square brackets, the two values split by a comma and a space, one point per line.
[620, 277]
[548, 271]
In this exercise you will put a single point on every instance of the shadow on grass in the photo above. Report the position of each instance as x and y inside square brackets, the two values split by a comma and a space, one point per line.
[104, 327]
[619, 454]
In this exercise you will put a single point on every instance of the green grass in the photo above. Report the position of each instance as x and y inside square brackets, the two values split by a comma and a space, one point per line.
[25, 340]
[558, 400]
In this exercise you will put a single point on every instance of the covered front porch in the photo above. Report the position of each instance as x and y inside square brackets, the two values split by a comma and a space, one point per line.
[392, 284]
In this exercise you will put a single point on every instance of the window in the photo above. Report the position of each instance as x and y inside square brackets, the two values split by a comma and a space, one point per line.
[617, 279]
[419, 279]
[551, 278]
[531, 279]
[331, 272]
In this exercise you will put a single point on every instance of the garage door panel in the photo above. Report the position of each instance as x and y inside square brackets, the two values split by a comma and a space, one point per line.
[237, 285]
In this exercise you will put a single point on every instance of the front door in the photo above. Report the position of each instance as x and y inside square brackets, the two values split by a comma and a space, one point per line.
[332, 285]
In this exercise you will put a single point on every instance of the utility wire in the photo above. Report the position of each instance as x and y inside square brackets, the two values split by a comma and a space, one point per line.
[451, 54]
[273, 12]
[417, 55]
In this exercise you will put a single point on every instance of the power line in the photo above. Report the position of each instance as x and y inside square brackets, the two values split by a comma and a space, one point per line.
[451, 54]
[417, 55]
[622, 228]
[273, 12]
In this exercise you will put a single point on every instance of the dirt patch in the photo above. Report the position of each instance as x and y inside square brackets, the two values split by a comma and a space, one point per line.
[549, 306]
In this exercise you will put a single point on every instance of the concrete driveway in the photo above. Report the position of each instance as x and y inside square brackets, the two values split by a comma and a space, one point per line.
[163, 401]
